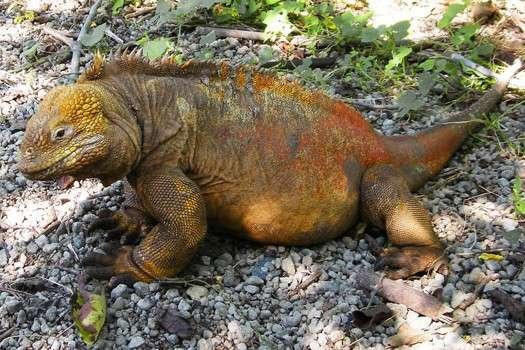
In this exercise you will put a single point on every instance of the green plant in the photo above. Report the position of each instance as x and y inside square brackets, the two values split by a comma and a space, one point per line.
[518, 196]
[155, 48]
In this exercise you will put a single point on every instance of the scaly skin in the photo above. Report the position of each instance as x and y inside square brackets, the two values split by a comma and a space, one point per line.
[255, 155]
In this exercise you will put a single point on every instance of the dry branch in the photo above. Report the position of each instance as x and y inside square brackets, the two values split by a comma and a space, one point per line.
[232, 33]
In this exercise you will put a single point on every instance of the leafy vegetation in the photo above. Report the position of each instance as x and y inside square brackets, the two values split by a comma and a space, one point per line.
[518, 196]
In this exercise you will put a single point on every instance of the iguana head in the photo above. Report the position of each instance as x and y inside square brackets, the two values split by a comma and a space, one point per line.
[70, 135]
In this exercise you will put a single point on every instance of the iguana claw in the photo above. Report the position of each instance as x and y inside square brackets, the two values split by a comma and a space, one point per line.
[119, 223]
[115, 264]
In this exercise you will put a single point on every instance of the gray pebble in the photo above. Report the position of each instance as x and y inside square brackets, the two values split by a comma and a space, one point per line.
[135, 342]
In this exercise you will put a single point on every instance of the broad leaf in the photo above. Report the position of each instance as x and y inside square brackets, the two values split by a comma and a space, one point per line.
[117, 6]
[265, 54]
[88, 312]
[369, 35]
[93, 37]
[398, 57]
[153, 49]
[452, 11]
[208, 38]
[426, 82]
[408, 101]
[277, 23]
[400, 30]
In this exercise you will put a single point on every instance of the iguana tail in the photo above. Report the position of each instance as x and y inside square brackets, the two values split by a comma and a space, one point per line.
[423, 155]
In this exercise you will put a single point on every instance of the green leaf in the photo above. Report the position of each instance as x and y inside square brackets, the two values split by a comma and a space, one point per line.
[482, 50]
[93, 37]
[163, 12]
[427, 64]
[189, 7]
[117, 6]
[490, 256]
[518, 197]
[399, 30]
[88, 311]
[452, 11]
[369, 35]
[350, 25]
[398, 57]
[153, 49]
[464, 34]
[408, 101]
[426, 82]
[265, 54]
[277, 23]
[208, 38]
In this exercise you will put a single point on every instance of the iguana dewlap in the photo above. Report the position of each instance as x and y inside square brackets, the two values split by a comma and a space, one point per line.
[251, 153]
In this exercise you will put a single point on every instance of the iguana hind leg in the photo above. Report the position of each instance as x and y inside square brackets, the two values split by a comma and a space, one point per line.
[387, 203]
[176, 204]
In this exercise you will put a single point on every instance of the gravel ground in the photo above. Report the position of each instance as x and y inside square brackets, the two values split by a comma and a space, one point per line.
[238, 295]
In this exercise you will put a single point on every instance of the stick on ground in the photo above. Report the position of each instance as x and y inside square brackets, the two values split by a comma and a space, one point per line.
[76, 47]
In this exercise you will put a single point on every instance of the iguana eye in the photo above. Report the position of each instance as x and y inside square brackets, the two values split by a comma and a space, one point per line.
[60, 133]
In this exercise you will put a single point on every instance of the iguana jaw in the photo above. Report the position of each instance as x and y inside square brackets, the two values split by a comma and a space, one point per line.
[74, 161]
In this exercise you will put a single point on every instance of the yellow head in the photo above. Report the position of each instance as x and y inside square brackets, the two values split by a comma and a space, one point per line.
[67, 135]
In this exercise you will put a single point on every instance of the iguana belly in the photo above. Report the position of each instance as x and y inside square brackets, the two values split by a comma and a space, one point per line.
[289, 209]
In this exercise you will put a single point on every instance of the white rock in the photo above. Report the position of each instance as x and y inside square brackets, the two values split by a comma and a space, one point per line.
[288, 266]
[197, 292]
[135, 342]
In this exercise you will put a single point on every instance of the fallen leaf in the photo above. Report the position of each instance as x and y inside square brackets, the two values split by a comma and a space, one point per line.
[372, 316]
[174, 323]
[490, 256]
[88, 311]
[407, 335]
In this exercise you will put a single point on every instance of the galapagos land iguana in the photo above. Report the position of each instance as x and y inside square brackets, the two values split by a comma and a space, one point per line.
[258, 156]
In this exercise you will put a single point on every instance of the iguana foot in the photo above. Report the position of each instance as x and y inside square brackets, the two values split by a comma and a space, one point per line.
[410, 260]
[122, 223]
[116, 264]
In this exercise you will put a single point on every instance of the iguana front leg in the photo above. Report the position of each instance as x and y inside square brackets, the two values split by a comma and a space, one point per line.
[387, 203]
[175, 202]
[128, 222]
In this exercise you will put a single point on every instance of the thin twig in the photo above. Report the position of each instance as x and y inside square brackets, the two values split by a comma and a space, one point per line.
[58, 35]
[76, 47]
[313, 277]
[232, 33]
[140, 12]
[363, 104]
[113, 36]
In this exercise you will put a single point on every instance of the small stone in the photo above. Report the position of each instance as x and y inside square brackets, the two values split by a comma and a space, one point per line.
[458, 297]
[294, 319]
[197, 292]
[118, 291]
[508, 224]
[254, 280]
[41, 241]
[135, 342]
[12, 304]
[51, 313]
[251, 289]
[336, 335]
[418, 322]
[122, 324]
[3, 257]
[183, 306]
[141, 288]
[349, 242]
[493, 265]
[49, 248]
[204, 344]
[288, 266]
[145, 304]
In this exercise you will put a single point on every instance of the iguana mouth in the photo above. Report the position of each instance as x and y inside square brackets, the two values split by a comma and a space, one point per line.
[44, 172]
